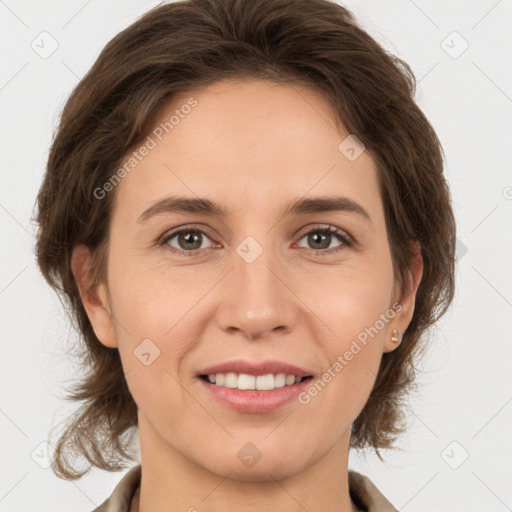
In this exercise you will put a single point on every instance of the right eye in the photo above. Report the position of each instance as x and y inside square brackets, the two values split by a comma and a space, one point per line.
[189, 241]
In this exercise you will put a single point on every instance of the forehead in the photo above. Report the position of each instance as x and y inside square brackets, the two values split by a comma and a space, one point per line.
[249, 143]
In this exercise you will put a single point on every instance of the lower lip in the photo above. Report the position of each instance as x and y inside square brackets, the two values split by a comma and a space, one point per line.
[254, 400]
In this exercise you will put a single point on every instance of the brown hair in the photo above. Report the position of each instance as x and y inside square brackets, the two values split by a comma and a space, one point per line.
[176, 48]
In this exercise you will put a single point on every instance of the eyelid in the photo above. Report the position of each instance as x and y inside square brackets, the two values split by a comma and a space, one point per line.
[330, 228]
[177, 229]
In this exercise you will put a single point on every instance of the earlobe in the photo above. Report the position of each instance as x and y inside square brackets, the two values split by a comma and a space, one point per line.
[407, 301]
[94, 297]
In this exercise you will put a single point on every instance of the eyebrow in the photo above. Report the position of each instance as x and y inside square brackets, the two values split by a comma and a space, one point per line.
[177, 204]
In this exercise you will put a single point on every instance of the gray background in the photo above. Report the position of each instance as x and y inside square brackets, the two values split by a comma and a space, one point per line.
[457, 453]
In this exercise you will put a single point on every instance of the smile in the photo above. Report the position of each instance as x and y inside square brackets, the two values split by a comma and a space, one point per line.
[253, 382]
[252, 400]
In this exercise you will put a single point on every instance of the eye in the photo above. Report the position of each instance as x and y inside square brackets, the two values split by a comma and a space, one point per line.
[322, 236]
[189, 240]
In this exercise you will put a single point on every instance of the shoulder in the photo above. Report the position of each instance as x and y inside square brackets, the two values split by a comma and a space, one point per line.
[366, 495]
[121, 497]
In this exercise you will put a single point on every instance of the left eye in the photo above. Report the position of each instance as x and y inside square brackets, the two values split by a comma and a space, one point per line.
[190, 241]
[324, 236]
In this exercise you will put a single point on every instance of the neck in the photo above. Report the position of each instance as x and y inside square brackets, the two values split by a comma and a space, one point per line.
[172, 482]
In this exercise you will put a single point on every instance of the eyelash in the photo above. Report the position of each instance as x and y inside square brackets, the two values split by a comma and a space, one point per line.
[325, 229]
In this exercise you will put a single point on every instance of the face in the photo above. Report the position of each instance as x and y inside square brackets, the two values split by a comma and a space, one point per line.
[187, 290]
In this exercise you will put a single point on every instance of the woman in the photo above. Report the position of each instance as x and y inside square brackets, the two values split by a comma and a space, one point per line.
[247, 213]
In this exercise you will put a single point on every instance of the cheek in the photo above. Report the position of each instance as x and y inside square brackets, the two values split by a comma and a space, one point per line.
[362, 311]
[355, 306]
[146, 309]
[348, 298]
[151, 298]
[351, 355]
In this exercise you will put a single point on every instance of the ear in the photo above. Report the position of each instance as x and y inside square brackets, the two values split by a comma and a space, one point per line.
[407, 300]
[94, 297]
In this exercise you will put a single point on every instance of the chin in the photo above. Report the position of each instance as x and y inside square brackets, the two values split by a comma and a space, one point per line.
[277, 468]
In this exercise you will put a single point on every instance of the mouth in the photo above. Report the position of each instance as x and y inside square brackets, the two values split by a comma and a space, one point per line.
[267, 382]
[244, 393]
[254, 386]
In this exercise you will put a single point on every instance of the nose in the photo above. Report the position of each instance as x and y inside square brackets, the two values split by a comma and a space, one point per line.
[258, 298]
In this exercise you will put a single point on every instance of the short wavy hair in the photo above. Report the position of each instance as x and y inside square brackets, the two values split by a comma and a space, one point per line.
[177, 48]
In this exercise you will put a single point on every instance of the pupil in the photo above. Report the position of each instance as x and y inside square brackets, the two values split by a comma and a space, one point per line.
[322, 236]
[189, 238]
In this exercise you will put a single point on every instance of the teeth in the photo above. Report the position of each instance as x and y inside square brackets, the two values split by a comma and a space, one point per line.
[260, 382]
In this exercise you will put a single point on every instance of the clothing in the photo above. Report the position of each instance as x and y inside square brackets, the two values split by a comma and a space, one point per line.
[362, 491]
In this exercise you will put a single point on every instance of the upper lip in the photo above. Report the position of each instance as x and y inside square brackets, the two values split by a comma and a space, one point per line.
[256, 368]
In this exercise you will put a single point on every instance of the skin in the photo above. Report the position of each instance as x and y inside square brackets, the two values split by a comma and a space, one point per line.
[253, 146]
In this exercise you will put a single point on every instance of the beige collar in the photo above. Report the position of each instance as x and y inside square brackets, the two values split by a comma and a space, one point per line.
[125, 496]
